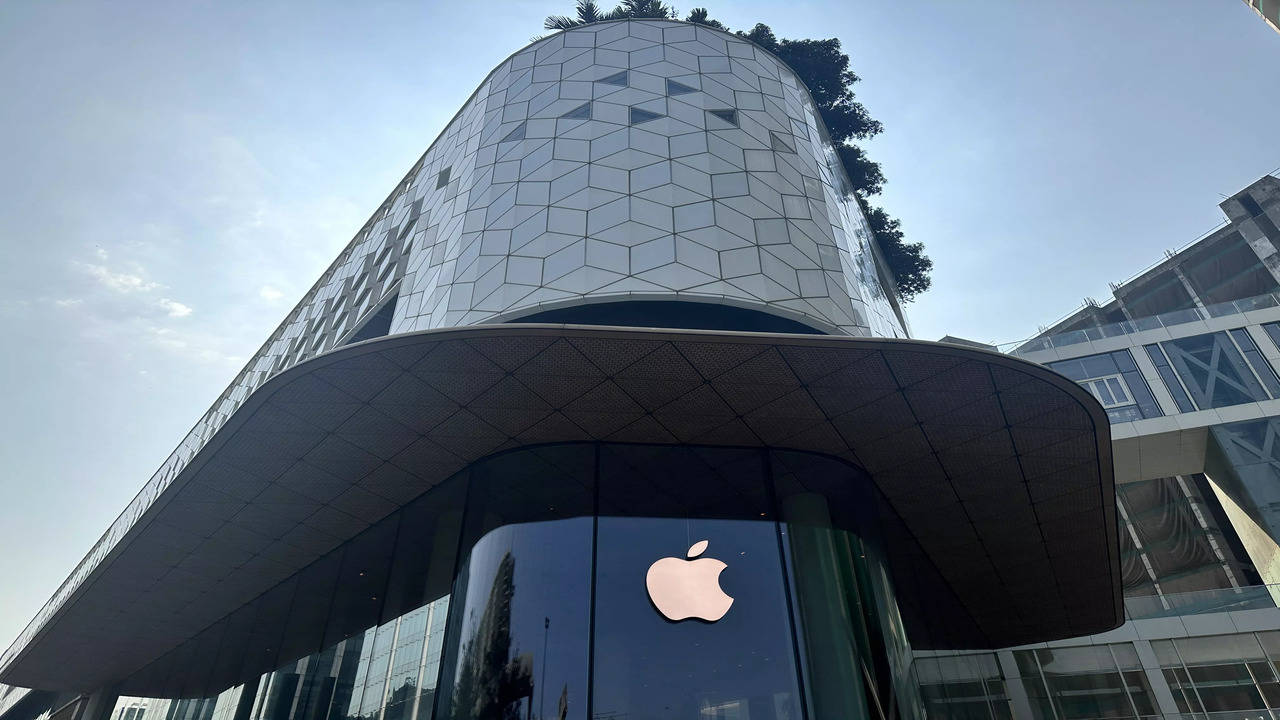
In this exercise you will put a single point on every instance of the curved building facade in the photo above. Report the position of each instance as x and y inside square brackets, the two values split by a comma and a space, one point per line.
[607, 412]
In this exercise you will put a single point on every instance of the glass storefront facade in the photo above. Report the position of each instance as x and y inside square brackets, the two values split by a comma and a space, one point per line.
[517, 589]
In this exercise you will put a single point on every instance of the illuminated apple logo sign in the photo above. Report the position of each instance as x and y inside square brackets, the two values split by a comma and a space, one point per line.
[681, 589]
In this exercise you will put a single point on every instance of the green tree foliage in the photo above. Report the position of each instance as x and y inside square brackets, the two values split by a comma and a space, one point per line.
[700, 16]
[910, 265]
[588, 11]
[825, 70]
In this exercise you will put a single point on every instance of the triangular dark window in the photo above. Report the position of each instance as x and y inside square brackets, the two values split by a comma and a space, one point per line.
[443, 178]
[517, 133]
[376, 324]
[582, 112]
[729, 116]
[780, 144]
[619, 79]
[675, 88]
[641, 116]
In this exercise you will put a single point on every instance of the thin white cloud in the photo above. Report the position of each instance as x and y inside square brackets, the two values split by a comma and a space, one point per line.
[270, 294]
[67, 302]
[194, 346]
[119, 281]
[174, 308]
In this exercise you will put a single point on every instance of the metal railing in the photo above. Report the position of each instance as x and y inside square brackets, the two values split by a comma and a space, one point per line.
[1155, 322]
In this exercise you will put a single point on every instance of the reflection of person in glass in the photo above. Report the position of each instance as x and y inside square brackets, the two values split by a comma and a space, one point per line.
[492, 684]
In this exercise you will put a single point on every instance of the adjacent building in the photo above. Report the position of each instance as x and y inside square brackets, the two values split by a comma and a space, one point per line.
[1184, 359]
[1269, 10]
[609, 411]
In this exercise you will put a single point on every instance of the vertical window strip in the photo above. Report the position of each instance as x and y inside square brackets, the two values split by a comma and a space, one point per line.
[1253, 356]
[1138, 387]
[1171, 381]
[1273, 332]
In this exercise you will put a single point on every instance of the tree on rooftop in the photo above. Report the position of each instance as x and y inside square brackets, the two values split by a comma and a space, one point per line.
[824, 68]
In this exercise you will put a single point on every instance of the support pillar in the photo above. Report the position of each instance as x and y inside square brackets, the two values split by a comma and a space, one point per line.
[1013, 685]
[1165, 703]
[98, 705]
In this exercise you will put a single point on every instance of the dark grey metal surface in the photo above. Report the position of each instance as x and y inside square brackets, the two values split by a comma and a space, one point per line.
[1000, 468]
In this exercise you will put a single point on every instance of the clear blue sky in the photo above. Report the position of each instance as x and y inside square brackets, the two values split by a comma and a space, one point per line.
[175, 175]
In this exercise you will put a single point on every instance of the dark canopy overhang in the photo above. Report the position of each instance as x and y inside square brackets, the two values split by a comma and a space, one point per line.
[999, 468]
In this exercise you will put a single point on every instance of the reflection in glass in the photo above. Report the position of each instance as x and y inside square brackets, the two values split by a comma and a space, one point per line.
[522, 625]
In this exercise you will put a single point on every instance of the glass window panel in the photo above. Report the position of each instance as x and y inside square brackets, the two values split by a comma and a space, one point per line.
[1126, 656]
[653, 505]
[1259, 364]
[1270, 693]
[348, 671]
[520, 611]
[522, 614]
[375, 683]
[1170, 378]
[1140, 692]
[1273, 331]
[1223, 698]
[1262, 671]
[1218, 649]
[430, 671]
[827, 566]
[1073, 369]
[1094, 658]
[1141, 393]
[1101, 391]
[1117, 390]
[1213, 370]
[426, 548]
[1099, 365]
[1270, 642]
[1125, 413]
[1026, 661]
[1124, 361]
[1183, 693]
[1114, 379]
[1084, 682]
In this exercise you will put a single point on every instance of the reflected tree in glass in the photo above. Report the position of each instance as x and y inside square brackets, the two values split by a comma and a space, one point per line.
[491, 684]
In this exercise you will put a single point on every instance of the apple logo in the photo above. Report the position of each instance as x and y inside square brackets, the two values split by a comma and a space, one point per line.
[682, 589]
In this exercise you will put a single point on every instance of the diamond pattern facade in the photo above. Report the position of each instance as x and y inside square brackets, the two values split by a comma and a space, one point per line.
[650, 159]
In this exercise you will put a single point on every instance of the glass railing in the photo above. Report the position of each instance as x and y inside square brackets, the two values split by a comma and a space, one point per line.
[1155, 322]
[1204, 601]
[1226, 715]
